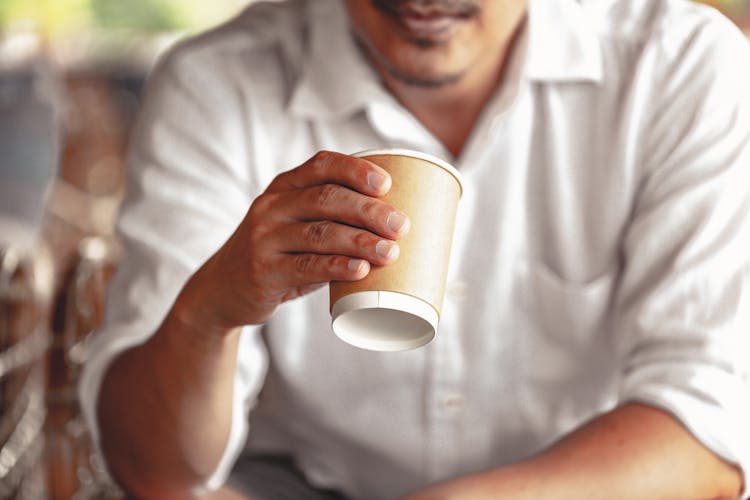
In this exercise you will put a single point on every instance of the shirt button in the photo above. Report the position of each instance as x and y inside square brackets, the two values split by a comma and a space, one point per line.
[453, 401]
[458, 291]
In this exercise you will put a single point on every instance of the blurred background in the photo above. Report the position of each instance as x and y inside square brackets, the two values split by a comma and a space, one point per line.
[71, 74]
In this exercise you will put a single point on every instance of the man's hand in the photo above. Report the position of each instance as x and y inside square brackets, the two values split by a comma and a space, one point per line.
[320, 222]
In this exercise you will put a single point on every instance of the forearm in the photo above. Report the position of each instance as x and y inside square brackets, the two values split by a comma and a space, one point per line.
[165, 406]
[634, 452]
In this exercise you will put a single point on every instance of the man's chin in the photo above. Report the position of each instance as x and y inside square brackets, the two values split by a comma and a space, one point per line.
[425, 75]
[425, 80]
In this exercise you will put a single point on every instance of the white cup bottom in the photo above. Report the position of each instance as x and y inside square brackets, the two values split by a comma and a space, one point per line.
[384, 321]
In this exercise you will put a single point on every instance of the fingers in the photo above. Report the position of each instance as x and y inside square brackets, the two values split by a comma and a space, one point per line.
[307, 270]
[327, 167]
[337, 187]
[339, 204]
[330, 238]
[313, 268]
[317, 223]
[322, 251]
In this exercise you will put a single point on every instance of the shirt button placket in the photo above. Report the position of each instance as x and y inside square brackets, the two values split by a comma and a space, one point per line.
[447, 401]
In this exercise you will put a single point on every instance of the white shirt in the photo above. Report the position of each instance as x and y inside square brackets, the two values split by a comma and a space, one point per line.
[601, 253]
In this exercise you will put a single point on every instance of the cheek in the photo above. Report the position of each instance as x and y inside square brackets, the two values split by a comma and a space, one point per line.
[371, 28]
[365, 20]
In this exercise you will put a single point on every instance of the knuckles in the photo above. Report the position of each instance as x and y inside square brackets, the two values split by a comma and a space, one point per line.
[316, 233]
[325, 194]
[370, 209]
[322, 161]
[265, 203]
[363, 239]
[304, 263]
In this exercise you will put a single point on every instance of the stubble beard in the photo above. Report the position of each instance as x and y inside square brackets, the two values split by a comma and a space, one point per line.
[465, 9]
[413, 80]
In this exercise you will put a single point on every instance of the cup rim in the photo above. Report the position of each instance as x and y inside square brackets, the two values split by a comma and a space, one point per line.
[418, 155]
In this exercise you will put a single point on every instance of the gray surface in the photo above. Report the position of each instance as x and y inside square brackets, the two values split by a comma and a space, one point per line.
[274, 478]
[30, 129]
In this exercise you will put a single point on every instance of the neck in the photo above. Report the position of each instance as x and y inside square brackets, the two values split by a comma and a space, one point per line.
[449, 112]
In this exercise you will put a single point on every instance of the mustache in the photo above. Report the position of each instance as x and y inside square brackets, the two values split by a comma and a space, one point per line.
[457, 8]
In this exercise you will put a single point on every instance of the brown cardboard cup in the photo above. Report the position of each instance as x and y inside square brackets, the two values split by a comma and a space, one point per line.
[397, 307]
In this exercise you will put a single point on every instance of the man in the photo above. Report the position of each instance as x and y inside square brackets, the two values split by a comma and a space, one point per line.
[593, 341]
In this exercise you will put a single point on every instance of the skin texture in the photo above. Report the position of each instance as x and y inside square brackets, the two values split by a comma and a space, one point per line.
[323, 221]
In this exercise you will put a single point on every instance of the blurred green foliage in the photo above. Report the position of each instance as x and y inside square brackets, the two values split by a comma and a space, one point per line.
[46, 15]
[141, 15]
[56, 17]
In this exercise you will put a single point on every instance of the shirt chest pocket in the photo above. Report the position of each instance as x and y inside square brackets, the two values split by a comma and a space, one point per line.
[565, 323]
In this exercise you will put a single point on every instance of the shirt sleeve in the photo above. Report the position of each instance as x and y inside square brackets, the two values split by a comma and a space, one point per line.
[684, 298]
[188, 188]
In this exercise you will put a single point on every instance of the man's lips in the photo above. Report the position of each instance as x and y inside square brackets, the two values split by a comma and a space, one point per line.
[426, 20]
[428, 26]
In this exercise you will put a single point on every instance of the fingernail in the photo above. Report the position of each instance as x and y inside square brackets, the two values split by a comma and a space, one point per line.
[378, 181]
[398, 222]
[387, 249]
[355, 265]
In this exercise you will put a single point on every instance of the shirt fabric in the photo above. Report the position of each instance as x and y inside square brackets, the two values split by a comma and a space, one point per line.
[600, 254]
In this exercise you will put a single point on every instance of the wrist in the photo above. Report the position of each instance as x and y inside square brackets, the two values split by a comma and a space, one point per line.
[196, 309]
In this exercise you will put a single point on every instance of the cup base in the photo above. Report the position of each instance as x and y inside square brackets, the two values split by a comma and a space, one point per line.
[384, 321]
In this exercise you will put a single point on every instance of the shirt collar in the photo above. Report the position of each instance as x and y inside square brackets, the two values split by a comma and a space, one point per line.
[562, 45]
[563, 42]
[336, 80]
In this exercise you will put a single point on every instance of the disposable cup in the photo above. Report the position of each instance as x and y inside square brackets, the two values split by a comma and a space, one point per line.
[397, 307]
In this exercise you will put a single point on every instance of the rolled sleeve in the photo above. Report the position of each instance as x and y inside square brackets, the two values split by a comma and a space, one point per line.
[187, 192]
[684, 299]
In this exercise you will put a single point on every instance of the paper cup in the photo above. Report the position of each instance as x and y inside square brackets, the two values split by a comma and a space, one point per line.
[397, 307]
